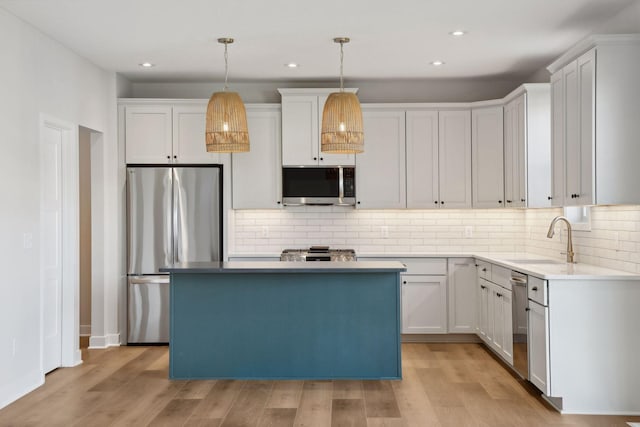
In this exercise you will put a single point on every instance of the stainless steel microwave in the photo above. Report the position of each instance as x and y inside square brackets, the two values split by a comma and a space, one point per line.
[319, 186]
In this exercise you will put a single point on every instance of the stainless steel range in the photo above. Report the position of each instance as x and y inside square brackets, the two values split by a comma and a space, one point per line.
[318, 253]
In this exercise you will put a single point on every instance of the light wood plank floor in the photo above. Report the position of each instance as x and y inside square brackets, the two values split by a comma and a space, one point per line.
[443, 385]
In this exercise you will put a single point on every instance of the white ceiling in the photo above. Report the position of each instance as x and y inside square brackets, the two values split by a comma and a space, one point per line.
[390, 39]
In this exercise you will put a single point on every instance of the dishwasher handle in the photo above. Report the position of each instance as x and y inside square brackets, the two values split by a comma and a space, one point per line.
[149, 279]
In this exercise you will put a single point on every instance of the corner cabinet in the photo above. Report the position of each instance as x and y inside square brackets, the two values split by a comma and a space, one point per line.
[438, 159]
[301, 126]
[527, 147]
[487, 152]
[380, 170]
[595, 93]
[169, 131]
[257, 174]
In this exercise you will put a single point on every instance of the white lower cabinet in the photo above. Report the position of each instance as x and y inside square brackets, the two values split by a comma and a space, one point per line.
[461, 284]
[538, 346]
[424, 304]
[502, 322]
[495, 316]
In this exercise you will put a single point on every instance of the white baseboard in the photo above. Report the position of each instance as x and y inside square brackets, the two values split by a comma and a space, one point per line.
[111, 340]
[85, 330]
[441, 338]
[12, 391]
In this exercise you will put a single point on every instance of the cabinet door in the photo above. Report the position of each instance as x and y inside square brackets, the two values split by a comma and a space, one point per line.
[300, 130]
[148, 134]
[422, 159]
[515, 153]
[487, 146]
[454, 149]
[557, 139]
[587, 87]
[326, 159]
[461, 283]
[572, 133]
[256, 175]
[538, 346]
[485, 327]
[189, 144]
[502, 322]
[380, 170]
[424, 304]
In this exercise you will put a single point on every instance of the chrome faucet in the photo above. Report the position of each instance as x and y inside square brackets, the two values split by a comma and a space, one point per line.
[551, 232]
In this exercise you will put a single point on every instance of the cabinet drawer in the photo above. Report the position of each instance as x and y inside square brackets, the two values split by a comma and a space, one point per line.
[484, 269]
[537, 290]
[501, 276]
[425, 265]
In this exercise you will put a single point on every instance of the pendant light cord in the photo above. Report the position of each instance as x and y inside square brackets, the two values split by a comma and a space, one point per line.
[226, 66]
[341, 63]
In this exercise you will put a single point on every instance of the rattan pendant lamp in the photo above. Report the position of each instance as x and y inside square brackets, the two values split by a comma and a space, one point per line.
[226, 127]
[342, 130]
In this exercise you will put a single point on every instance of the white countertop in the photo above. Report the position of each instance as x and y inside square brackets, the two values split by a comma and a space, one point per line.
[548, 268]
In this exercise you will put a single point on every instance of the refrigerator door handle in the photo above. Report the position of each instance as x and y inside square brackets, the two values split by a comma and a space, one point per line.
[149, 279]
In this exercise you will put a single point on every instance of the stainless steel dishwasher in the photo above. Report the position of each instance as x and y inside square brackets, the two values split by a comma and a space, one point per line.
[519, 323]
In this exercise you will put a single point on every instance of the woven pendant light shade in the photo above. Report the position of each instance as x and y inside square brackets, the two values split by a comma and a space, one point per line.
[342, 131]
[226, 128]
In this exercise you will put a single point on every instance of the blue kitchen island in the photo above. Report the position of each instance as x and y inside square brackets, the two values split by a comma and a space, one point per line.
[285, 320]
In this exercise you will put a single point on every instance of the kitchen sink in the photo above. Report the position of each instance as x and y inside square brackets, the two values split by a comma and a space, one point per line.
[534, 261]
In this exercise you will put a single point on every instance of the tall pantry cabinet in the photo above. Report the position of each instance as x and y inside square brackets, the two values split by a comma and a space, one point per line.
[595, 95]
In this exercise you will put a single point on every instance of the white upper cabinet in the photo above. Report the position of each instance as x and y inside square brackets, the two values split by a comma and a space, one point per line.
[454, 158]
[438, 159]
[157, 133]
[301, 126]
[380, 170]
[487, 157]
[422, 160]
[256, 175]
[527, 147]
[595, 112]
[189, 145]
[148, 136]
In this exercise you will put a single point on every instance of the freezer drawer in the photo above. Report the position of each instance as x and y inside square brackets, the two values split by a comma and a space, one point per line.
[148, 310]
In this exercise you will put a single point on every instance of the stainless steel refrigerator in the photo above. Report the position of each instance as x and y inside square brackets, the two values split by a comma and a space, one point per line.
[174, 214]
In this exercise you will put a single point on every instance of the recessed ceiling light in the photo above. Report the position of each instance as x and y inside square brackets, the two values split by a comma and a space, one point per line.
[437, 63]
[458, 33]
[291, 65]
[147, 65]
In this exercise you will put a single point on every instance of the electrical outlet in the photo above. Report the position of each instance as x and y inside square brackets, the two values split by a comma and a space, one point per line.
[384, 231]
[27, 240]
[468, 231]
[265, 231]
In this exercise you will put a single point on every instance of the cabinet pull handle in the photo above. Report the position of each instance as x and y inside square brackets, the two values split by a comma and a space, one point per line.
[508, 201]
[483, 287]
[315, 158]
[404, 283]
[522, 200]
[534, 289]
[441, 202]
[279, 202]
[168, 157]
[549, 198]
[175, 157]
[484, 269]
[500, 202]
[527, 309]
[358, 202]
[499, 295]
[436, 202]
[321, 158]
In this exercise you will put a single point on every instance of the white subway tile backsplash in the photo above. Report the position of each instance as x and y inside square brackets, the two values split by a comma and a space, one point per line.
[614, 239]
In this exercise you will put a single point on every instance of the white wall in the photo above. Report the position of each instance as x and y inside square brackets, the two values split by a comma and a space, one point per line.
[426, 90]
[39, 76]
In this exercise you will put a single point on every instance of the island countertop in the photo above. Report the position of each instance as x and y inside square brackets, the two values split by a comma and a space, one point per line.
[285, 267]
